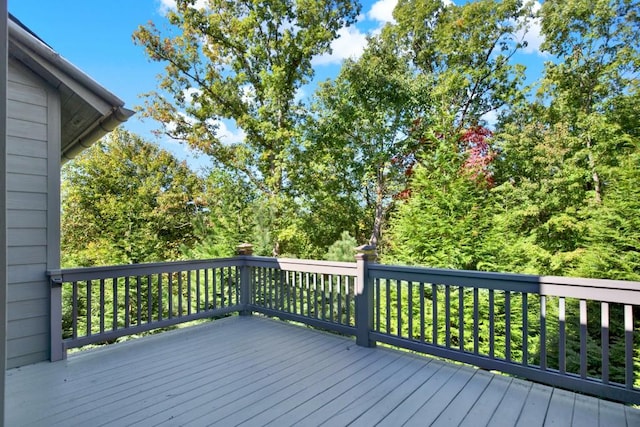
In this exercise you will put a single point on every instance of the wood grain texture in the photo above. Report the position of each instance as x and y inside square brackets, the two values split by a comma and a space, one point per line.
[254, 371]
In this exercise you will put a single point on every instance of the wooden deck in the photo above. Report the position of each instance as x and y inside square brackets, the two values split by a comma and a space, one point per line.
[253, 371]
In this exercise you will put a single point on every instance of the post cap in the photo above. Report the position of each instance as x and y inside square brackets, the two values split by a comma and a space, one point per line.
[367, 252]
[244, 249]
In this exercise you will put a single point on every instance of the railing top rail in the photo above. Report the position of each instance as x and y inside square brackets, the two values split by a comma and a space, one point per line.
[618, 291]
[105, 272]
[304, 265]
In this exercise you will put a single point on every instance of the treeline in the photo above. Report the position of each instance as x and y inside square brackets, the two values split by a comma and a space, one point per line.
[397, 150]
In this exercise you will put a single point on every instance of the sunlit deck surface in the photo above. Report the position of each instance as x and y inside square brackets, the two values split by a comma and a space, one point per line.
[258, 371]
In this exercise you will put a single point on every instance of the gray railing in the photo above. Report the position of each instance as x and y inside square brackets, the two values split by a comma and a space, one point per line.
[101, 304]
[573, 333]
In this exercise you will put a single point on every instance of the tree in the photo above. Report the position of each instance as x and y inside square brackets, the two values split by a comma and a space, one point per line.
[442, 221]
[599, 59]
[566, 156]
[228, 216]
[361, 123]
[124, 200]
[243, 61]
[464, 55]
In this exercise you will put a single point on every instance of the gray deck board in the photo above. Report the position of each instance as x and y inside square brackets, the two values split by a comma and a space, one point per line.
[254, 371]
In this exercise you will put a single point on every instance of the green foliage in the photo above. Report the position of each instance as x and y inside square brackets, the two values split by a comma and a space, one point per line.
[343, 249]
[125, 201]
[361, 123]
[243, 61]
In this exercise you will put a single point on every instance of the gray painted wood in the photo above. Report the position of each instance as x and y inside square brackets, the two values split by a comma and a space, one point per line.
[486, 405]
[249, 370]
[27, 165]
[32, 110]
[4, 55]
[508, 410]
[458, 408]
[27, 148]
[557, 413]
[585, 411]
[535, 407]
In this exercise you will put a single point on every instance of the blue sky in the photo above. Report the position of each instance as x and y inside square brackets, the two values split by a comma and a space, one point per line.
[96, 37]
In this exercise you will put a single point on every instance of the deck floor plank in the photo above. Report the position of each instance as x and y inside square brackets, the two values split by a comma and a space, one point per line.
[585, 411]
[509, 408]
[464, 401]
[561, 407]
[254, 371]
[485, 406]
[535, 407]
[611, 414]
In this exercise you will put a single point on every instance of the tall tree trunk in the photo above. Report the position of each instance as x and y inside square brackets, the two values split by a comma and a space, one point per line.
[379, 209]
[594, 174]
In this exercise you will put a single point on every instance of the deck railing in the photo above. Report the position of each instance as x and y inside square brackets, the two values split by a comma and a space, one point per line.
[573, 333]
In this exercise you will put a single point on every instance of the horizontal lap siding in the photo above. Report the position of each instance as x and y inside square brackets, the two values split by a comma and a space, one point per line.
[27, 183]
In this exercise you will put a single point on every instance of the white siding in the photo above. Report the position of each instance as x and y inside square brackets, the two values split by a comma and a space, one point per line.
[28, 217]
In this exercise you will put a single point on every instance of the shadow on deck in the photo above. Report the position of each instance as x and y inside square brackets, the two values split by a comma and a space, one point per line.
[258, 371]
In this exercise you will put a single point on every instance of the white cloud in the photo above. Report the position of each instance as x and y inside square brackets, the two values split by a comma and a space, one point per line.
[490, 118]
[349, 44]
[166, 5]
[532, 34]
[229, 135]
[382, 11]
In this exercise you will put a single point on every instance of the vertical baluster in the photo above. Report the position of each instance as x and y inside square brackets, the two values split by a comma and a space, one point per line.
[604, 340]
[422, 308]
[315, 294]
[340, 297]
[160, 302]
[583, 338]
[447, 311]
[507, 326]
[525, 329]
[348, 299]
[102, 307]
[332, 294]
[170, 292]
[410, 309]
[233, 286]
[399, 306]
[127, 302]
[214, 287]
[492, 325]
[476, 321]
[307, 286]
[628, 345]
[189, 291]
[74, 309]
[388, 298]
[206, 289]
[114, 284]
[291, 291]
[378, 297]
[198, 296]
[300, 277]
[89, 304]
[277, 285]
[562, 353]
[179, 273]
[543, 332]
[139, 300]
[461, 317]
[149, 299]
[434, 314]
[223, 281]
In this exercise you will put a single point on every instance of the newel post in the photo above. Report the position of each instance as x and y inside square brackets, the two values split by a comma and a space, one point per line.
[364, 295]
[245, 250]
[55, 318]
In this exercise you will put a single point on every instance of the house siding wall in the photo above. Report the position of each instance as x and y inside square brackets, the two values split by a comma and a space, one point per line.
[33, 118]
